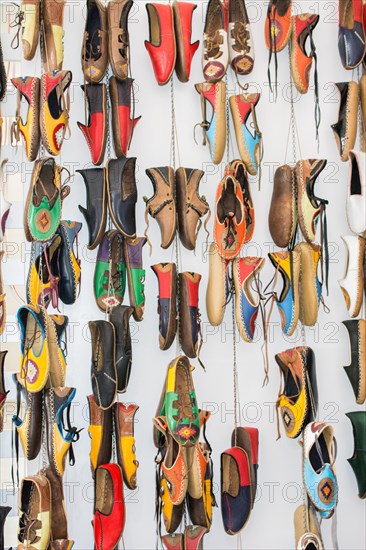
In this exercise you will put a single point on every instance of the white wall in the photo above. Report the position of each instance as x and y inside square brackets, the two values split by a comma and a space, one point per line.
[271, 523]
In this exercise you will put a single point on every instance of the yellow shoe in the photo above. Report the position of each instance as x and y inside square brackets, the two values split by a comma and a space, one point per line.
[126, 453]
[55, 106]
[28, 88]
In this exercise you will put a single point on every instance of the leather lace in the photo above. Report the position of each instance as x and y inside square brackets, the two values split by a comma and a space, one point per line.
[17, 22]
[241, 35]
[212, 45]
[28, 527]
[184, 406]
[271, 44]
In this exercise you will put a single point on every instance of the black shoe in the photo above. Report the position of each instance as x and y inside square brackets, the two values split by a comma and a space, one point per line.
[4, 511]
[356, 370]
[95, 213]
[103, 366]
[70, 271]
[122, 194]
[120, 318]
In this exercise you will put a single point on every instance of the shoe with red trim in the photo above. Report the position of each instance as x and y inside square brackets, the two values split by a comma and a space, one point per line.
[230, 224]
[167, 303]
[189, 314]
[28, 88]
[161, 45]
[95, 132]
[121, 92]
[55, 106]
[183, 15]
[245, 274]
[109, 515]
[249, 143]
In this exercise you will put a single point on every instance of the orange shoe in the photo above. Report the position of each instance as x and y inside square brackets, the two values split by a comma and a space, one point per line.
[238, 170]
[229, 225]
[302, 29]
[28, 88]
[278, 24]
[55, 104]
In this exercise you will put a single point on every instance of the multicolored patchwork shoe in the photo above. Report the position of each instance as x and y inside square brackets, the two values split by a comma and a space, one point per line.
[167, 303]
[351, 33]
[248, 440]
[94, 53]
[110, 271]
[35, 359]
[298, 396]
[180, 404]
[60, 434]
[95, 130]
[55, 106]
[174, 541]
[278, 25]
[174, 466]
[100, 429]
[172, 515]
[135, 275]
[28, 88]
[122, 103]
[34, 512]
[230, 219]
[28, 19]
[193, 537]
[42, 213]
[318, 468]
[345, 129]
[249, 143]
[57, 325]
[124, 416]
[200, 498]
[215, 43]
[70, 264]
[238, 169]
[246, 276]
[43, 283]
[287, 263]
[214, 130]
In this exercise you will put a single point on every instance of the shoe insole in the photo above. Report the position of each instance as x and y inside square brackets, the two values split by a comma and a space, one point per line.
[93, 26]
[355, 180]
[104, 494]
[33, 335]
[45, 184]
[291, 389]
[315, 460]
[230, 476]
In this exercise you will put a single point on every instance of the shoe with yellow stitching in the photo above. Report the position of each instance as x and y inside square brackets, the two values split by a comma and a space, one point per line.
[28, 88]
[55, 106]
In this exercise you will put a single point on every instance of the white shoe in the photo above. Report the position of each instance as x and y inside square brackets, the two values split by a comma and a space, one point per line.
[215, 47]
[356, 198]
[240, 39]
[352, 283]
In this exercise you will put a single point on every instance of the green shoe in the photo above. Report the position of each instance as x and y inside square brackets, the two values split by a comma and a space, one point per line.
[136, 275]
[42, 214]
[110, 272]
[358, 460]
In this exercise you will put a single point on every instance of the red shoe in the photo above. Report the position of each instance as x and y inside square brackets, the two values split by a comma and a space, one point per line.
[193, 537]
[120, 92]
[109, 516]
[173, 542]
[161, 46]
[183, 15]
[95, 132]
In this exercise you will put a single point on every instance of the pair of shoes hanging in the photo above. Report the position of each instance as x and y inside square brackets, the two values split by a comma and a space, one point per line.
[95, 130]
[119, 259]
[55, 268]
[176, 204]
[351, 95]
[242, 107]
[227, 37]
[169, 45]
[239, 465]
[106, 40]
[116, 422]
[46, 16]
[242, 284]
[48, 103]
[109, 507]
[178, 299]
[112, 188]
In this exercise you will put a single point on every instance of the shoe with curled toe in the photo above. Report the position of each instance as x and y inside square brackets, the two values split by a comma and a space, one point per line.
[109, 511]
[238, 169]
[122, 104]
[319, 454]
[161, 206]
[167, 303]
[356, 197]
[43, 285]
[351, 33]
[100, 429]
[28, 88]
[352, 283]
[95, 213]
[345, 129]
[250, 146]
[298, 396]
[310, 207]
[307, 529]
[96, 127]
[124, 418]
[356, 370]
[161, 45]
[215, 43]
[189, 313]
[303, 26]
[103, 364]
[55, 107]
[120, 318]
[246, 282]
[218, 287]
[278, 25]
[135, 275]
[70, 264]
[53, 27]
[310, 285]
[29, 428]
[183, 19]
[110, 272]
[214, 130]
[287, 264]
[122, 194]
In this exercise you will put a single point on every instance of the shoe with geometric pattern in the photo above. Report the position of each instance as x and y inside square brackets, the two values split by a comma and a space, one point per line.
[28, 88]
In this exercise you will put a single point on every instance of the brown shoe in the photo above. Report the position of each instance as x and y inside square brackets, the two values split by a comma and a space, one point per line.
[53, 21]
[94, 53]
[100, 430]
[118, 11]
[58, 515]
[34, 512]
[62, 544]
[124, 416]
[191, 207]
[282, 214]
[161, 206]
[28, 19]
